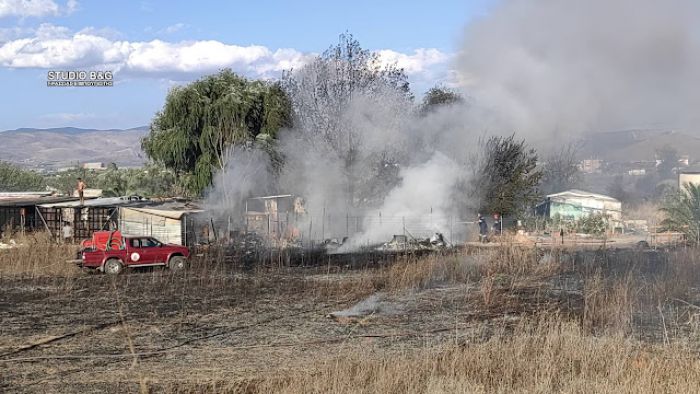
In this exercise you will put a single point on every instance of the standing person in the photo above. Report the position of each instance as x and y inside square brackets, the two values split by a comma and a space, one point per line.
[483, 229]
[81, 190]
[497, 226]
[67, 233]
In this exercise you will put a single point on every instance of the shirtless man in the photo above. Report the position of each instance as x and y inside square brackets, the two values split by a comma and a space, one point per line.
[81, 190]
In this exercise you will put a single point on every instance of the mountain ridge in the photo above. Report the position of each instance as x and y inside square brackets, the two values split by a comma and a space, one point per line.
[60, 147]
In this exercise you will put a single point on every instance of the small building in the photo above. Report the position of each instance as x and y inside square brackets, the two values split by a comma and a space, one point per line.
[83, 219]
[97, 166]
[689, 175]
[18, 210]
[170, 222]
[575, 204]
[590, 166]
[65, 217]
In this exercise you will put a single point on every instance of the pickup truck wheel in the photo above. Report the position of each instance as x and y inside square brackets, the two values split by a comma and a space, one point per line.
[113, 267]
[176, 263]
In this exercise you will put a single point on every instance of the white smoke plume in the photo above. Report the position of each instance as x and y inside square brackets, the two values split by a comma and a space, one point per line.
[247, 173]
[547, 70]
[421, 201]
[552, 68]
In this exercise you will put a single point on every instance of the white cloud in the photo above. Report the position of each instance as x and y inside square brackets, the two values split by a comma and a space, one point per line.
[71, 6]
[35, 8]
[52, 47]
[420, 61]
[12, 33]
[173, 28]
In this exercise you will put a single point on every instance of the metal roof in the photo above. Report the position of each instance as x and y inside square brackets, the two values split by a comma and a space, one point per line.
[30, 201]
[166, 213]
[581, 193]
[694, 169]
[98, 202]
[6, 195]
[271, 197]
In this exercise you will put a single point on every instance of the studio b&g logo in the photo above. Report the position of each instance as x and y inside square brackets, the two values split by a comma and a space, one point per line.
[80, 78]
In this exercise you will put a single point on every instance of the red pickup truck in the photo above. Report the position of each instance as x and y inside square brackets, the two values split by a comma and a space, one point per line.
[110, 252]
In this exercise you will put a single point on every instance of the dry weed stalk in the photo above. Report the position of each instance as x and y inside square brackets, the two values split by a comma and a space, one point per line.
[37, 255]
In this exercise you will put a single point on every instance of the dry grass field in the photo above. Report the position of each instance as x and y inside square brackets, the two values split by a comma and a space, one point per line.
[506, 319]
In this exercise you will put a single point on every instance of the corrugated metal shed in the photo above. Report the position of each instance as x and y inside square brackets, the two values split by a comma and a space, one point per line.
[19, 210]
[166, 223]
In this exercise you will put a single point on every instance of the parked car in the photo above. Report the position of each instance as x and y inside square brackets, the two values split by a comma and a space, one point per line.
[111, 252]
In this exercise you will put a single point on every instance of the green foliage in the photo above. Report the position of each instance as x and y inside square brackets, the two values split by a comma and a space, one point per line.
[201, 121]
[66, 181]
[506, 176]
[15, 179]
[595, 224]
[682, 212]
[150, 181]
[592, 224]
[439, 96]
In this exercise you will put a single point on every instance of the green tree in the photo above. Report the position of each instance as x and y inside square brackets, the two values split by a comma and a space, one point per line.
[506, 177]
[66, 181]
[682, 212]
[151, 181]
[113, 183]
[201, 123]
[439, 96]
[15, 179]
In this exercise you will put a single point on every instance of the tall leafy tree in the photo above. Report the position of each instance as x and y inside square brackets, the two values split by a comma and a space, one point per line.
[201, 123]
[682, 212]
[506, 176]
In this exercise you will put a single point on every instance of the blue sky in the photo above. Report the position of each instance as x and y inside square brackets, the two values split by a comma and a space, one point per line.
[152, 45]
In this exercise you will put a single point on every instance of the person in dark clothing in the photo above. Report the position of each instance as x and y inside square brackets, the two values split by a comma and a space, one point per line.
[497, 227]
[483, 229]
[561, 234]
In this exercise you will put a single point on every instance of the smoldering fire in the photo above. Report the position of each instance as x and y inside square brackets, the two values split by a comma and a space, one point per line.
[599, 65]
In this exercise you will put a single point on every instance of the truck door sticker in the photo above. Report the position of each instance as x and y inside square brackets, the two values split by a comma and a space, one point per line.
[135, 256]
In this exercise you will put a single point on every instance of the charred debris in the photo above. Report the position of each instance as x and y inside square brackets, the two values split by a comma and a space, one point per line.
[279, 230]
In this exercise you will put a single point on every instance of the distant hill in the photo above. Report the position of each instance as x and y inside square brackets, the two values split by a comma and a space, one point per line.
[67, 146]
[638, 145]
